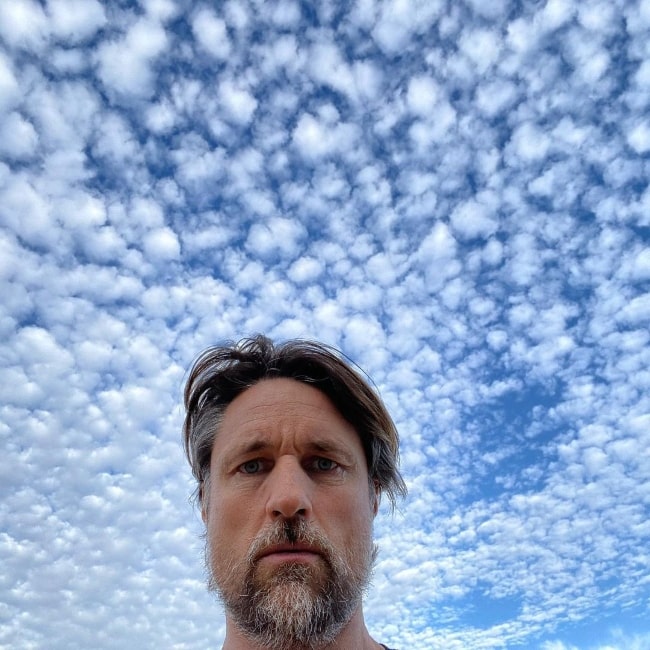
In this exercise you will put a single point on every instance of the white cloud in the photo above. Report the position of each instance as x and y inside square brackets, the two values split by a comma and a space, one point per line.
[284, 53]
[310, 136]
[161, 118]
[161, 10]
[422, 95]
[69, 61]
[9, 89]
[357, 332]
[493, 96]
[104, 245]
[75, 20]
[642, 75]
[638, 137]
[18, 137]
[211, 33]
[455, 196]
[26, 212]
[305, 269]
[23, 24]
[493, 252]
[556, 13]
[237, 101]
[318, 137]
[400, 20]
[521, 35]
[328, 67]
[115, 140]
[237, 15]
[277, 235]
[589, 57]
[286, 14]
[529, 143]
[489, 10]
[439, 244]
[637, 310]
[125, 64]
[641, 265]
[161, 245]
[427, 132]
[81, 211]
[475, 218]
[368, 79]
[482, 47]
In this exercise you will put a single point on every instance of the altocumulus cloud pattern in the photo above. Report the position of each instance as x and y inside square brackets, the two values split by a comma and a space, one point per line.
[454, 192]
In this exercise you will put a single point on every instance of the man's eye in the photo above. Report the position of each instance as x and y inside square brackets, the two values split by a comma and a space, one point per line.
[251, 467]
[324, 464]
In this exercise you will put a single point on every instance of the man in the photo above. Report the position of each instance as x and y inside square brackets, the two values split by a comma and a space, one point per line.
[291, 450]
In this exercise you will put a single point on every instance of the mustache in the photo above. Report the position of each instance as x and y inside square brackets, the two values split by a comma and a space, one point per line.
[290, 531]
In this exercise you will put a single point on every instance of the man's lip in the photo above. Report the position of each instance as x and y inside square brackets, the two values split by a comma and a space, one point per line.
[288, 549]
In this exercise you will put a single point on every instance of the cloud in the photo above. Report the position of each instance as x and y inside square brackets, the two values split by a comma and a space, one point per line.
[398, 22]
[320, 136]
[475, 218]
[23, 24]
[279, 235]
[161, 245]
[18, 137]
[125, 64]
[453, 194]
[305, 269]
[422, 95]
[211, 33]
[75, 20]
[237, 101]
[638, 137]
[9, 90]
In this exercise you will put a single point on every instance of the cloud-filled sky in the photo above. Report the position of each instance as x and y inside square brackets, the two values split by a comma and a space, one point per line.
[454, 193]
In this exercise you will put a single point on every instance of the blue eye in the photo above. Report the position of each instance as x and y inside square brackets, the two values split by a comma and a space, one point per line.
[324, 464]
[251, 467]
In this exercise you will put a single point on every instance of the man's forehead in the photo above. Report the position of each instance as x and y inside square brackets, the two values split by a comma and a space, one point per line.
[285, 406]
[285, 396]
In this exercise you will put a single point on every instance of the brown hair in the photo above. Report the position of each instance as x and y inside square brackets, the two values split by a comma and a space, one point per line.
[221, 373]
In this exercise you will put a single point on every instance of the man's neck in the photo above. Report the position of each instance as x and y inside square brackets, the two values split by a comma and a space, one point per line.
[353, 635]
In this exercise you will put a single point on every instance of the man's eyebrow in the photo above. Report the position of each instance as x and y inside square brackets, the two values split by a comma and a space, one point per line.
[328, 447]
[250, 447]
[320, 446]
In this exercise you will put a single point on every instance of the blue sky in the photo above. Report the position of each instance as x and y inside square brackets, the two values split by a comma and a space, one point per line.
[456, 194]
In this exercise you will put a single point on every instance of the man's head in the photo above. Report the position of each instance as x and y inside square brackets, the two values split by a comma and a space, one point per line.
[291, 450]
[221, 373]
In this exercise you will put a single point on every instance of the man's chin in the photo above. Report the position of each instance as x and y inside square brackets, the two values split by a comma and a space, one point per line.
[292, 604]
[282, 597]
[290, 574]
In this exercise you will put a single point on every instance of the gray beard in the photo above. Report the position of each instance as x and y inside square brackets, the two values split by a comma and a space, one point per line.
[298, 607]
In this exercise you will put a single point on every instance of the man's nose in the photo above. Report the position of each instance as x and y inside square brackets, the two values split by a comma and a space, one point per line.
[289, 490]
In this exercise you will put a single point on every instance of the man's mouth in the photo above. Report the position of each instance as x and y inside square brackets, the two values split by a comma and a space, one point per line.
[289, 553]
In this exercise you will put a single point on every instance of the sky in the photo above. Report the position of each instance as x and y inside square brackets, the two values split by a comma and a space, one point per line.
[455, 193]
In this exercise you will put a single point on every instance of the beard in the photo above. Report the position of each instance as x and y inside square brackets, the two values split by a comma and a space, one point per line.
[294, 606]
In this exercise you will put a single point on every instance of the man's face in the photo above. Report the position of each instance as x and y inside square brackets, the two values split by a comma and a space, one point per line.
[289, 515]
